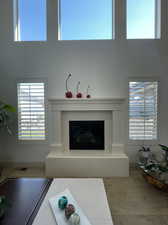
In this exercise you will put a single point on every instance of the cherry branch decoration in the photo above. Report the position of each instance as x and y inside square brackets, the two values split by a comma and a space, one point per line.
[88, 89]
[79, 94]
[68, 93]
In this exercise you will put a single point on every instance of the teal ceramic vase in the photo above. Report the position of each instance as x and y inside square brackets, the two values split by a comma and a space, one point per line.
[62, 202]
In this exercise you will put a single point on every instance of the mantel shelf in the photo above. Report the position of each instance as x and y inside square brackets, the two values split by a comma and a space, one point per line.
[87, 100]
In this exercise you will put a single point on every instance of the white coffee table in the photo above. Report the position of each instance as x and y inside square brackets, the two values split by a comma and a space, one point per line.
[90, 195]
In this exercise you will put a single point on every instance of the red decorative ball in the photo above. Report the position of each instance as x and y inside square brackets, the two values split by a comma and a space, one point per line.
[88, 96]
[79, 95]
[68, 94]
[69, 210]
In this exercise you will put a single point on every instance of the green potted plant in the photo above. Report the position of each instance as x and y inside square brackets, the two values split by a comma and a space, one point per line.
[165, 149]
[6, 112]
[144, 155]
[3, 206]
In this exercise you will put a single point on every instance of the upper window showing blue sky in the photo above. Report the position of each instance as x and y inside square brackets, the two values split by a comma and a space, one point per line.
[140, 19]
[85, 19]
[32, 20]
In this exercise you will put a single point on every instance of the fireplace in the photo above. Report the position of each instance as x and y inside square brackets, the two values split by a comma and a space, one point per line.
[86, 138]
[86, 135]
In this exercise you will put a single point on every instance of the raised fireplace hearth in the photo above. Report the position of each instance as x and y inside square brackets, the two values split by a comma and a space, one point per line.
[86, 135]
[86, 138]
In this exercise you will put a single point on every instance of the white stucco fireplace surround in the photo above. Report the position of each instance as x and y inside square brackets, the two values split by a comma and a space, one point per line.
[63, 162]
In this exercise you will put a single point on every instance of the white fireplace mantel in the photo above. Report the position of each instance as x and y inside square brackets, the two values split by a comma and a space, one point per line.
[113, 155]
[114, 105]
[86, 104]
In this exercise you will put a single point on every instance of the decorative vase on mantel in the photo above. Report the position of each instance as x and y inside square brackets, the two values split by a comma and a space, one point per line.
[68, 93]
[88, 92]
[78, 94]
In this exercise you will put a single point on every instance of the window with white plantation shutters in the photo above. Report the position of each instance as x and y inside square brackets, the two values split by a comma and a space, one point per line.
[143, 110]
[31, 111]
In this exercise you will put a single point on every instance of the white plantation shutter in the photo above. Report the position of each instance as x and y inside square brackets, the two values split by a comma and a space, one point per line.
[31, 111]
[143, 110]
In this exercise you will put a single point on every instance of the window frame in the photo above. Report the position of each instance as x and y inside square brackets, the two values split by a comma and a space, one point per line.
[16, 26]
[34, 80]
[157, 26]
[119, 29]
[145, 142]
[113, 17]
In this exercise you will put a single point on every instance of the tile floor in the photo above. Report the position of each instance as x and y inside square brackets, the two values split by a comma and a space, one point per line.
[134, 202]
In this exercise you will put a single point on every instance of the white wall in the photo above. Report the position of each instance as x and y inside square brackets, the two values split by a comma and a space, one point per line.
[104, 65]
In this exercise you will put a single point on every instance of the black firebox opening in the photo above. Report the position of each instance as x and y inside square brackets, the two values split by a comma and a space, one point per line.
[86, 135]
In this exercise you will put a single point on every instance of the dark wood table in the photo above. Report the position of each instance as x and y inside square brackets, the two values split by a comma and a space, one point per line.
[25, 196]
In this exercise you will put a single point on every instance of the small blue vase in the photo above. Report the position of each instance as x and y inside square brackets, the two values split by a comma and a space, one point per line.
[62, 202]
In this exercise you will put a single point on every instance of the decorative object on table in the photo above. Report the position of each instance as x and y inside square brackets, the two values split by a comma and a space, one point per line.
[69, 210]
[88, 92]
[3, 206]
[156, 171]
[68, 93]
[60, 214]
[70, 214]
[78, 93]
[74, 219]
[62, 202]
